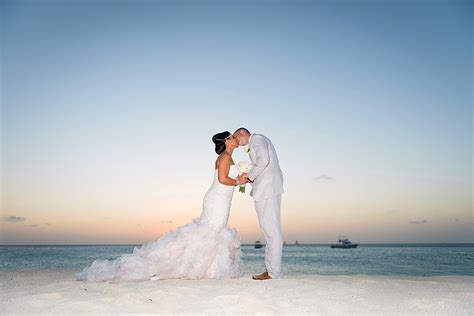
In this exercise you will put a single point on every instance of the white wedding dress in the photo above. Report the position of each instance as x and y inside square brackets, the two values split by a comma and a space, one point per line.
[205, 248]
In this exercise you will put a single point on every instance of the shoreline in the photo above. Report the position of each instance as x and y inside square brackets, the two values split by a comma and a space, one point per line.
[57, 292]
[286, 276]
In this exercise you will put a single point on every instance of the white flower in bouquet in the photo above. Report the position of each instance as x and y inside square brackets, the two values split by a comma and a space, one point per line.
[244, 167]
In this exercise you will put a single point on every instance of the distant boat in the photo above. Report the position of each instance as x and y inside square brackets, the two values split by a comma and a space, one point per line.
[258, 244]
[297, 243]
[344, 242]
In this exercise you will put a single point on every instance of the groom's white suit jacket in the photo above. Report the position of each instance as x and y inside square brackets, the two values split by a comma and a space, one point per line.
[266, 173]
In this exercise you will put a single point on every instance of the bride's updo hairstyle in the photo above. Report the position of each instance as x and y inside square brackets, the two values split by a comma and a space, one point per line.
[219, 141]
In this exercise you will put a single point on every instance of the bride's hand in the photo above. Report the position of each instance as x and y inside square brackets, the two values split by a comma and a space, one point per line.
[243, 178]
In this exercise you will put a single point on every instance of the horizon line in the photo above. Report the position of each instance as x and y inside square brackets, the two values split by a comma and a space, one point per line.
[246, 244]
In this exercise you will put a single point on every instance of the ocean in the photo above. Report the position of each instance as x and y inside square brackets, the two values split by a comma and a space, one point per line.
[374, 259]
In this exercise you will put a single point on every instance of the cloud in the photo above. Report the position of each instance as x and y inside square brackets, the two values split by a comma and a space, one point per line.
[424, 221]
[13, 219]
[34, 225]
[167, 222]
[392, 211]
[324, 178]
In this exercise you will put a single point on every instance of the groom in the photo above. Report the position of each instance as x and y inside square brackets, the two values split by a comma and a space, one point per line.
[267, 186]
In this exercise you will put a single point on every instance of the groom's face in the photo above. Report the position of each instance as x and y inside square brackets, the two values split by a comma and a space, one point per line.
[237, 137]
[241, 139]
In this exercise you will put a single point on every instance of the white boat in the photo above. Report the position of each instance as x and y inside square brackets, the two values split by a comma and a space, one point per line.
[344, 242]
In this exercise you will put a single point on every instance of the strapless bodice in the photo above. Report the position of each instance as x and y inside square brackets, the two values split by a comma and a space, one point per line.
[216, 204]
[222, 188]
[233, 172]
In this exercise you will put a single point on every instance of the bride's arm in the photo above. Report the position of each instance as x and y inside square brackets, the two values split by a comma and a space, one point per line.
[223, 171]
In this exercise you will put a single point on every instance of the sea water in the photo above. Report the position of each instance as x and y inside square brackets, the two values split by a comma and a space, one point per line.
[380, 259]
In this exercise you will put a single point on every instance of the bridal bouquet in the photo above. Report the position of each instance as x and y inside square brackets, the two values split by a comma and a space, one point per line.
[244, 167]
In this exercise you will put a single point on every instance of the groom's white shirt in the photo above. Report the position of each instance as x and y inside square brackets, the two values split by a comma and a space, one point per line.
[266, 174]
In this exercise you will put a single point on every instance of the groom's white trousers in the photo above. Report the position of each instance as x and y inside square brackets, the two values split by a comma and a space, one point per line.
[268, 211]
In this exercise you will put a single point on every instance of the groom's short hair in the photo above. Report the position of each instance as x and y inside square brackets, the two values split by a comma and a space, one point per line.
[241, 129]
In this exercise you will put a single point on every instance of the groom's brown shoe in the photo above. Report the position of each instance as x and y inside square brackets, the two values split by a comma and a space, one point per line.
[263, 276]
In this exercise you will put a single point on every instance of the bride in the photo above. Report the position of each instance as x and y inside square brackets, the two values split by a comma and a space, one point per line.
[205, 248]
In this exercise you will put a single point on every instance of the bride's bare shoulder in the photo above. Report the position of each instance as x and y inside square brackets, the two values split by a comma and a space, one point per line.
[223, 159]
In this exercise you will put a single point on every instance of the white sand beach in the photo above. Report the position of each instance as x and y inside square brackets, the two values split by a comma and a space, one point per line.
[57, 292]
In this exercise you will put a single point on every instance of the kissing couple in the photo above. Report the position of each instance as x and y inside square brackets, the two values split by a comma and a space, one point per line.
[208, 247]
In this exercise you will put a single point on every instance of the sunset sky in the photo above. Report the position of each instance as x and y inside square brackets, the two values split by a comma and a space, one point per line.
[108, 109]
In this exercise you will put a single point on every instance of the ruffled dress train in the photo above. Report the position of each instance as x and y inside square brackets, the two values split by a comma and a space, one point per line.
[205, 248]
